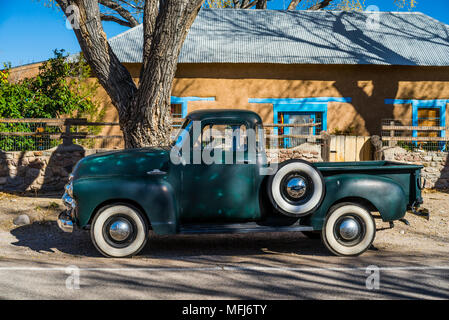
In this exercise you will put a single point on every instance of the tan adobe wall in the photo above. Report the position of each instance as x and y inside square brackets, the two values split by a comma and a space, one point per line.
[368, 86]
[27, 71]
[233, 84]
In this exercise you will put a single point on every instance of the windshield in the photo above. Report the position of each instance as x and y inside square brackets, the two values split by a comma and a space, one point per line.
[183, 133]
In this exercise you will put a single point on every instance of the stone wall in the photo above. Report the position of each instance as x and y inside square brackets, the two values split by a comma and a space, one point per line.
[436, 167]
[39, 170]
[49, 170]
[307, 151]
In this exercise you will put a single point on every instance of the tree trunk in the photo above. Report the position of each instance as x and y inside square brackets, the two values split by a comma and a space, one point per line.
[147, 120]
[320, 5]
[144, 112]
[261, 4]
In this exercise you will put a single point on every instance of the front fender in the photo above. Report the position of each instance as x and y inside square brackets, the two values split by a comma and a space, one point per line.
[385, 194]
[155, 196]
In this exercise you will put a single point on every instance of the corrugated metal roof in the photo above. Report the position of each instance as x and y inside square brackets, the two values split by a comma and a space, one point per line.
[305, 37]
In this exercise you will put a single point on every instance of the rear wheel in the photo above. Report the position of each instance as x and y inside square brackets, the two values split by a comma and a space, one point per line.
[349, 229]
[119, 231]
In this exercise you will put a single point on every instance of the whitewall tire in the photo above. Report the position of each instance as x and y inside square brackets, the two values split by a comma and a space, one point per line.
[119, 231]
[349, 229]
[296, 189]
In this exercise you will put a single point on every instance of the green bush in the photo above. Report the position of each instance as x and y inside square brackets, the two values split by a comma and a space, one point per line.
[60, 89]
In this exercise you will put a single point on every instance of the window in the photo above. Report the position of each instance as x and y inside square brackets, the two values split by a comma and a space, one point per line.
[428, 117]
[176, 113]
[183, 134]
[224, 136]
[298, 118]
[426, 113]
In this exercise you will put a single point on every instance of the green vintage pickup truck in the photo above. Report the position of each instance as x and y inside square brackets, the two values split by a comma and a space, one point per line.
[215, 178]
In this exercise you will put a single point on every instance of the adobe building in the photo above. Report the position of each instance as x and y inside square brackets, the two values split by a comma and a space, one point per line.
[341, 69]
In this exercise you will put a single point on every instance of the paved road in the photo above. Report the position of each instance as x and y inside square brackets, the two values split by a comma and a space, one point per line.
[284, 266]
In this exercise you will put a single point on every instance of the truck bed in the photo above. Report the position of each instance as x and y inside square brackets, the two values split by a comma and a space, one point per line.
[406, 175]
[365, 166]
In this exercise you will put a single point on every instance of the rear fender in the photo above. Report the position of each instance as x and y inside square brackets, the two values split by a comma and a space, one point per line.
[384, 194]
[155, 196]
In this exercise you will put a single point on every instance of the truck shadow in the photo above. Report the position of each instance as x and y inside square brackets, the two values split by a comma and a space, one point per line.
[46, 237]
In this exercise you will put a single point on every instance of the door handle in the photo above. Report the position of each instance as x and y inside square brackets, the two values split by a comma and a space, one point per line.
[156, 172]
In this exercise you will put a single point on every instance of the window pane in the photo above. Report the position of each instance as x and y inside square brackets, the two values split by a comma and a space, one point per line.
[225, 136]
[428, 117]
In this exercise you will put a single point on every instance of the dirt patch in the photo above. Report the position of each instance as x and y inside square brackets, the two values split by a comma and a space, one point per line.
[40, 209]
[421, 236]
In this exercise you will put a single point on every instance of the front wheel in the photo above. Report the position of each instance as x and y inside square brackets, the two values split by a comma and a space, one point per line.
[119, 231]
[349, 229]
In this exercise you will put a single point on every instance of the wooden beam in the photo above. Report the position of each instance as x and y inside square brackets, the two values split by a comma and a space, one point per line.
[422, 139]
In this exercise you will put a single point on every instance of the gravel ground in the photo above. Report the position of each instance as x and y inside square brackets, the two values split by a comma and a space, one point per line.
[42, 238]
[34, 258]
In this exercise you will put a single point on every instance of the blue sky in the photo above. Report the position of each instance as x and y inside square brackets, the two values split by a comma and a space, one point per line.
[29, 31]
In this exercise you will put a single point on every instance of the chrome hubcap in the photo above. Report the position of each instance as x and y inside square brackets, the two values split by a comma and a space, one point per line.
[296, 187]
[349, 229]
[120, 230]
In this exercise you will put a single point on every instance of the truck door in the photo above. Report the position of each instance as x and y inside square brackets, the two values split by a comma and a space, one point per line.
[221, 187]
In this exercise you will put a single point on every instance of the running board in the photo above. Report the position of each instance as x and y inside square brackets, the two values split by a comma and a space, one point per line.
[249, 227]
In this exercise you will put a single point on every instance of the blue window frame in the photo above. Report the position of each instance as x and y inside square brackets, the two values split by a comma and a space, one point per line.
[312, 106]
[303, 117]
[183, 101]
[417, 104]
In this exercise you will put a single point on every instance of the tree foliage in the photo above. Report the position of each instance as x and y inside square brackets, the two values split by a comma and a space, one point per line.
[347, 5]
[60, 89]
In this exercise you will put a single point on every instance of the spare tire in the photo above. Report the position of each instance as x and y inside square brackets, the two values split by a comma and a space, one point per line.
[296, 189]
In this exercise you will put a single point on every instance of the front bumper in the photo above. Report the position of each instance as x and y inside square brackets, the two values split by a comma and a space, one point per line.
[65, 222]
[66, 218]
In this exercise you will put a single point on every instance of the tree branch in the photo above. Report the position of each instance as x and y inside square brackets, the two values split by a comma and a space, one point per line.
[111, 74]
[150, 14]
[125, 14]
[293, 4]
[320, 5]
[106, 17]
[246, 4]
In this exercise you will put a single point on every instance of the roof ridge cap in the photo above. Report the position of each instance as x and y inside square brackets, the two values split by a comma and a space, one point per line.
[124, 32]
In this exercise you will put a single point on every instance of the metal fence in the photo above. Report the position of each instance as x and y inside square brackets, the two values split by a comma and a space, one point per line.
[44, 134]
[286, 136]
[412, 137]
